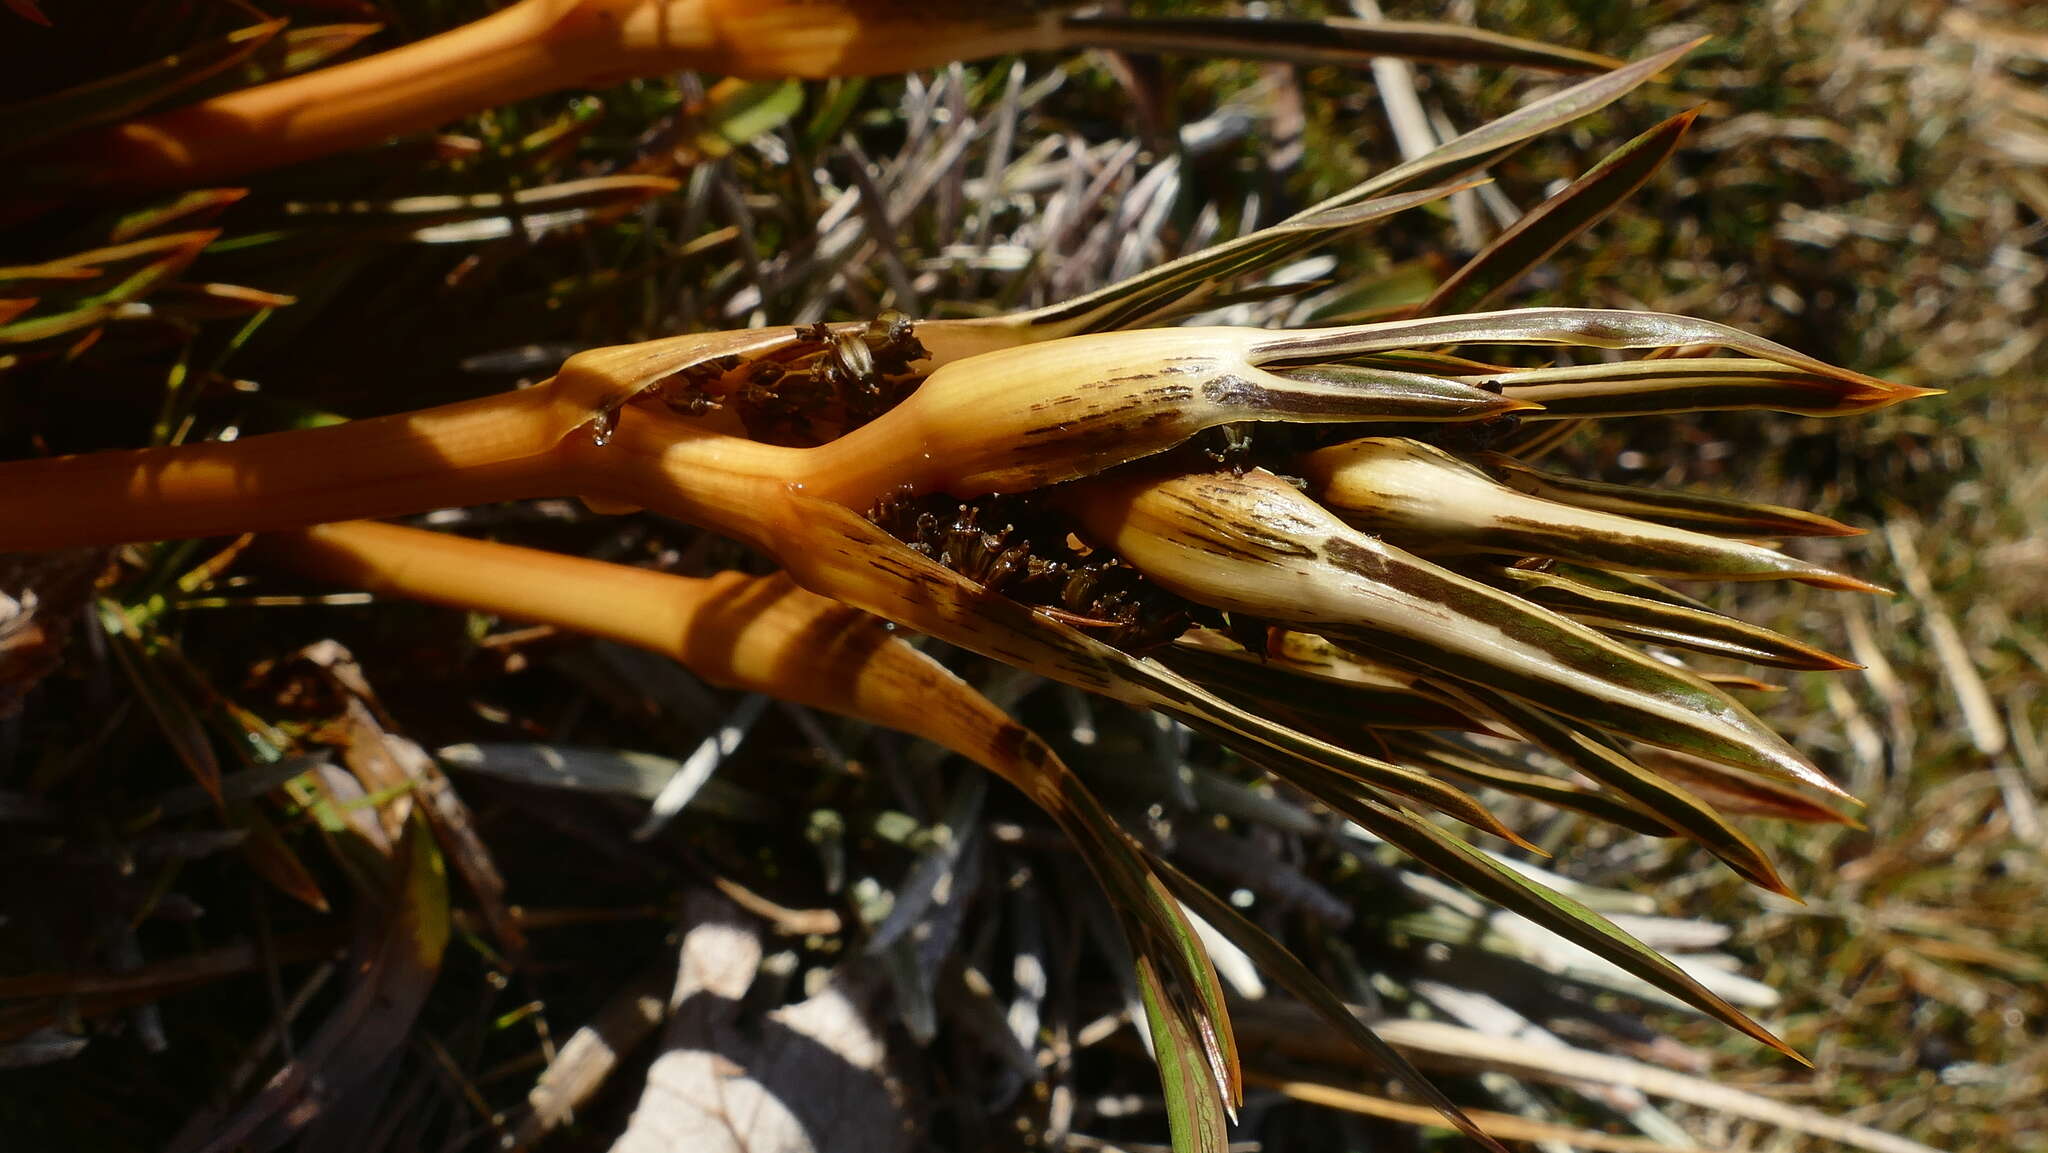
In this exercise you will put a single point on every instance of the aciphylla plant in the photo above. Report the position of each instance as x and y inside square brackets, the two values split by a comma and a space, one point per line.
[1333, 549]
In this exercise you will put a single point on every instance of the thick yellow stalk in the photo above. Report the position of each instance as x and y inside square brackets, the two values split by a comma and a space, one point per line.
[529, 48]
[497, 448]
[759, 634]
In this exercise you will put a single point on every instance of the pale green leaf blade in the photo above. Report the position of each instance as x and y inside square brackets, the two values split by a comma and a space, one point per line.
[1496, 138]
[1195, 1112]
[1473, 767]
[1196, 280]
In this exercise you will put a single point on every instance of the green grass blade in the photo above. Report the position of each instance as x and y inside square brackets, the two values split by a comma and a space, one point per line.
[1196, 280]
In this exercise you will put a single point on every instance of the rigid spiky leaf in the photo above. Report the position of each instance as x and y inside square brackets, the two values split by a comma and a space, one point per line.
[1525, 897]
[1272, 957]
[1193, 281]
[1425, 499]
[1251, 543]
[1470, 766]
[1686, 384]
[1721, 516]
[1681, 812]
[464, 219]
[1550, 225]
[1023, 418]
[1308, 676]
[1588, 328]
[84, 289]
[1740, 793]
[1660, 622]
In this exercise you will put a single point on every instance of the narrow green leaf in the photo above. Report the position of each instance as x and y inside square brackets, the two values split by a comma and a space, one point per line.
[1529, 241]
[1195, 1113]
[110, 277]
[1183, 284]
[1154, 924]
[190, 208]
[457, 219]
[1196, 280]
[752, 109]
[1628, 584]
[1278, 963]
[1280, 681]
[1338, 40]
[1496, 138]
[1542, 905]
[181, 726]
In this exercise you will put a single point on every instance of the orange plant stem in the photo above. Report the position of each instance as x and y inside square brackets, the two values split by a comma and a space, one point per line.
[760, 634]
[476, 452]
[414, 88]
[529, 48]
